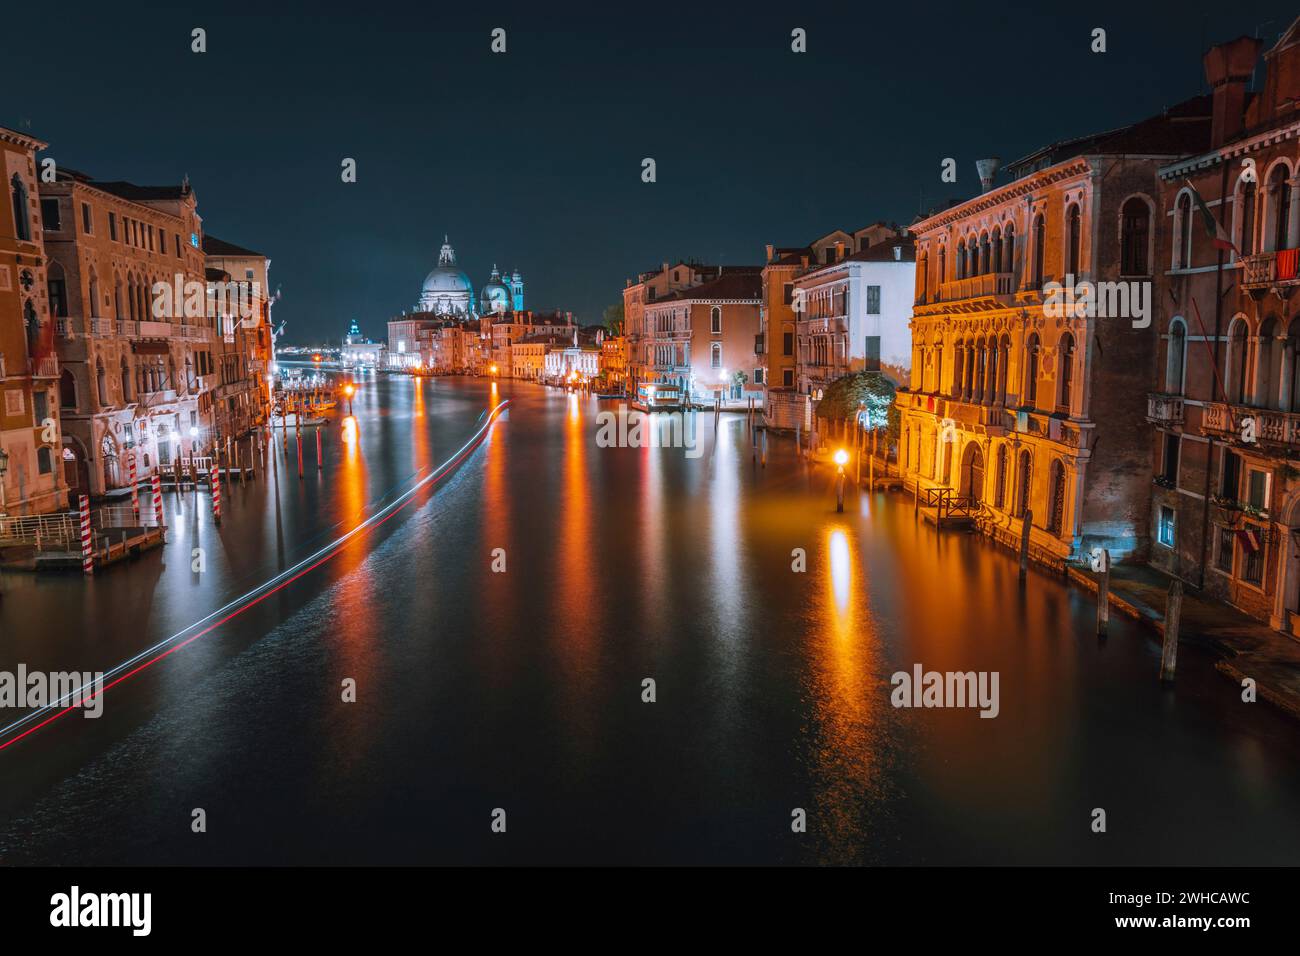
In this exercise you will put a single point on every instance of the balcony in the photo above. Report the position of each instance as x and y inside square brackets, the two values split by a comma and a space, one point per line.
[1268, 270]
[101, 327]
[46, 367]
[1164, 409]
[988, 419]
[1271, 427]
[993, 290]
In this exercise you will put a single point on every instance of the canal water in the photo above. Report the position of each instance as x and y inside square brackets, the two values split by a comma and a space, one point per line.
[522, 690]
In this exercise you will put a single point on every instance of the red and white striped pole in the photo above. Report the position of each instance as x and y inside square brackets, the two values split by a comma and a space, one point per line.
[216, 493]
[135, 486]
[155, 485]
[87, 545]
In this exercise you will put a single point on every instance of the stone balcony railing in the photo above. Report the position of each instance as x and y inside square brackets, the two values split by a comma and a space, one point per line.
[989, 285]
[1164, 409]
[1272, 427]
[1267, 269]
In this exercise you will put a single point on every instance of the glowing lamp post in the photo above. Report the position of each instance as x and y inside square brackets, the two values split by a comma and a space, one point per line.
[348, 390]
[841, 459]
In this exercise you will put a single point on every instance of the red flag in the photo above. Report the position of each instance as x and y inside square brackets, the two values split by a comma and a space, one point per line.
[1218, 235]
[1249, 539]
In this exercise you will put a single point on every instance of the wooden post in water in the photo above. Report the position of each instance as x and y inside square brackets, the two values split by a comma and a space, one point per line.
[1173, 620]
[1024, 544]
[1103, 595]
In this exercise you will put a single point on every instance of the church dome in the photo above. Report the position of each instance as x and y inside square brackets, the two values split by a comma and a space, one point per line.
[495, 296]
[446, 289]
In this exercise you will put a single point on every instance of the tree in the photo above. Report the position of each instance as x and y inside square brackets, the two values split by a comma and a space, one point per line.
[870, 392]
[614, 319]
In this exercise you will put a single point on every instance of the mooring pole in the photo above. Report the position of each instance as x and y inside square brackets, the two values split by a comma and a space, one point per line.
[1103, 595]
[1024, 544]
[1173, 620]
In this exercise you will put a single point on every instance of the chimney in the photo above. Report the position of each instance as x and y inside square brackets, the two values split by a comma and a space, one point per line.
[1228, 67]
[987, 169]
[839, 250]
[803, 261]
[769, 252]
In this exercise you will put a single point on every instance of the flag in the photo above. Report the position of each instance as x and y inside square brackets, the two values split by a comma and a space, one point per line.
[1249, 539]
[1218, 235]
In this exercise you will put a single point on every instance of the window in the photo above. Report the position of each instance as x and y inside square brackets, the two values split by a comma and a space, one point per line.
[1230, 480]
[1031, 369]
[1067, 371]
[67, 390]
[44, 460]
[40, 406]
[1176, 358]
[58, 298]
[1257, 489]
[178, 255]
[1056, 503]
[18, 196]
[873, 300]
[87, 223]
[1279, 198]
[112, 226]
[787, 377]
[1073, 235]
[787, 343]
[1252, 565]
[1173, 443]
[715, 355]
[758, 376]
[1000, 486]
[1134, 232]
[1040, 243]
[872, 363]
[1165, 526]
[715, 320]
[1183, 230]
[1223, 557]
[1246, 216]
[787, 292]
[50, 218]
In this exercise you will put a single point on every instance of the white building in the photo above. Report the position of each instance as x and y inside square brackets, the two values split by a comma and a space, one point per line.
[854, 313]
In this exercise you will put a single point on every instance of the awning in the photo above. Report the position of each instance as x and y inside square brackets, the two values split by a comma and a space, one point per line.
[150, 348]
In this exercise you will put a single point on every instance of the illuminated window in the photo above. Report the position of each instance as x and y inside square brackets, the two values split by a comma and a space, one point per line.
[1165, 526]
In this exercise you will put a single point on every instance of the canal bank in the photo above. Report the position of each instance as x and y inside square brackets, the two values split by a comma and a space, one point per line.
[1249, 649]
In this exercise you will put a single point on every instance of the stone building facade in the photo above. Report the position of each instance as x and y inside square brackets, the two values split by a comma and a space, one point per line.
[139, 363]
[31, 442]
[1009, 383]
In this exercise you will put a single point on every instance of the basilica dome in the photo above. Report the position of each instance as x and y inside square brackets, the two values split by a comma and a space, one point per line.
[446, 290]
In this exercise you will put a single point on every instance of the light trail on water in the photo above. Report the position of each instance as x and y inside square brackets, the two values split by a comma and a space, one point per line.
[10, 734]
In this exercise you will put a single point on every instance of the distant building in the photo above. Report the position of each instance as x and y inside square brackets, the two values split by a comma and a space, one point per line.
[360, 351]
[238, 290]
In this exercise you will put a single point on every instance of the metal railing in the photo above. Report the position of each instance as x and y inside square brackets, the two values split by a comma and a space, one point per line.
[948, 504]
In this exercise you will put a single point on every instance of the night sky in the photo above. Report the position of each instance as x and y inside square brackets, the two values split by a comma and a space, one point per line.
[532, 159]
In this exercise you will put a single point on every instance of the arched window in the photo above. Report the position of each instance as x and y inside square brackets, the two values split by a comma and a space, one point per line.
[32, 324]
[1000, 485]
[1031, 370]
[1279, 199]
[1056, 499]
[1134, 236]
[942, 264]
[995, 256]
[67, 390]
[959, 368]
[117, 298]
[1066, 352]
[1004, 364]
[922, 277]
[101, 383]
[1268, 365]
[986, 255]
[1024, 479]
[1040, 245]
[1008, 248]
[1176, 357]
[1073, 235]
[124, 372]
[1246, 198]
[22, 212]
[715, 320]
[1236, 363]
[1183, 232]
[94, 304]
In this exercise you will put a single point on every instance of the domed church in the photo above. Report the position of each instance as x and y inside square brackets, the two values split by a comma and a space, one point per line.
[448, 291]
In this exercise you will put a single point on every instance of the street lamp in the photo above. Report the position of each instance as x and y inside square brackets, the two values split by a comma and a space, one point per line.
[841, 459]
[348, 390]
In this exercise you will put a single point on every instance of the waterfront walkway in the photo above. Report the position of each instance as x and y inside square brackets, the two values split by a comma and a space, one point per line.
[1249, 648]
